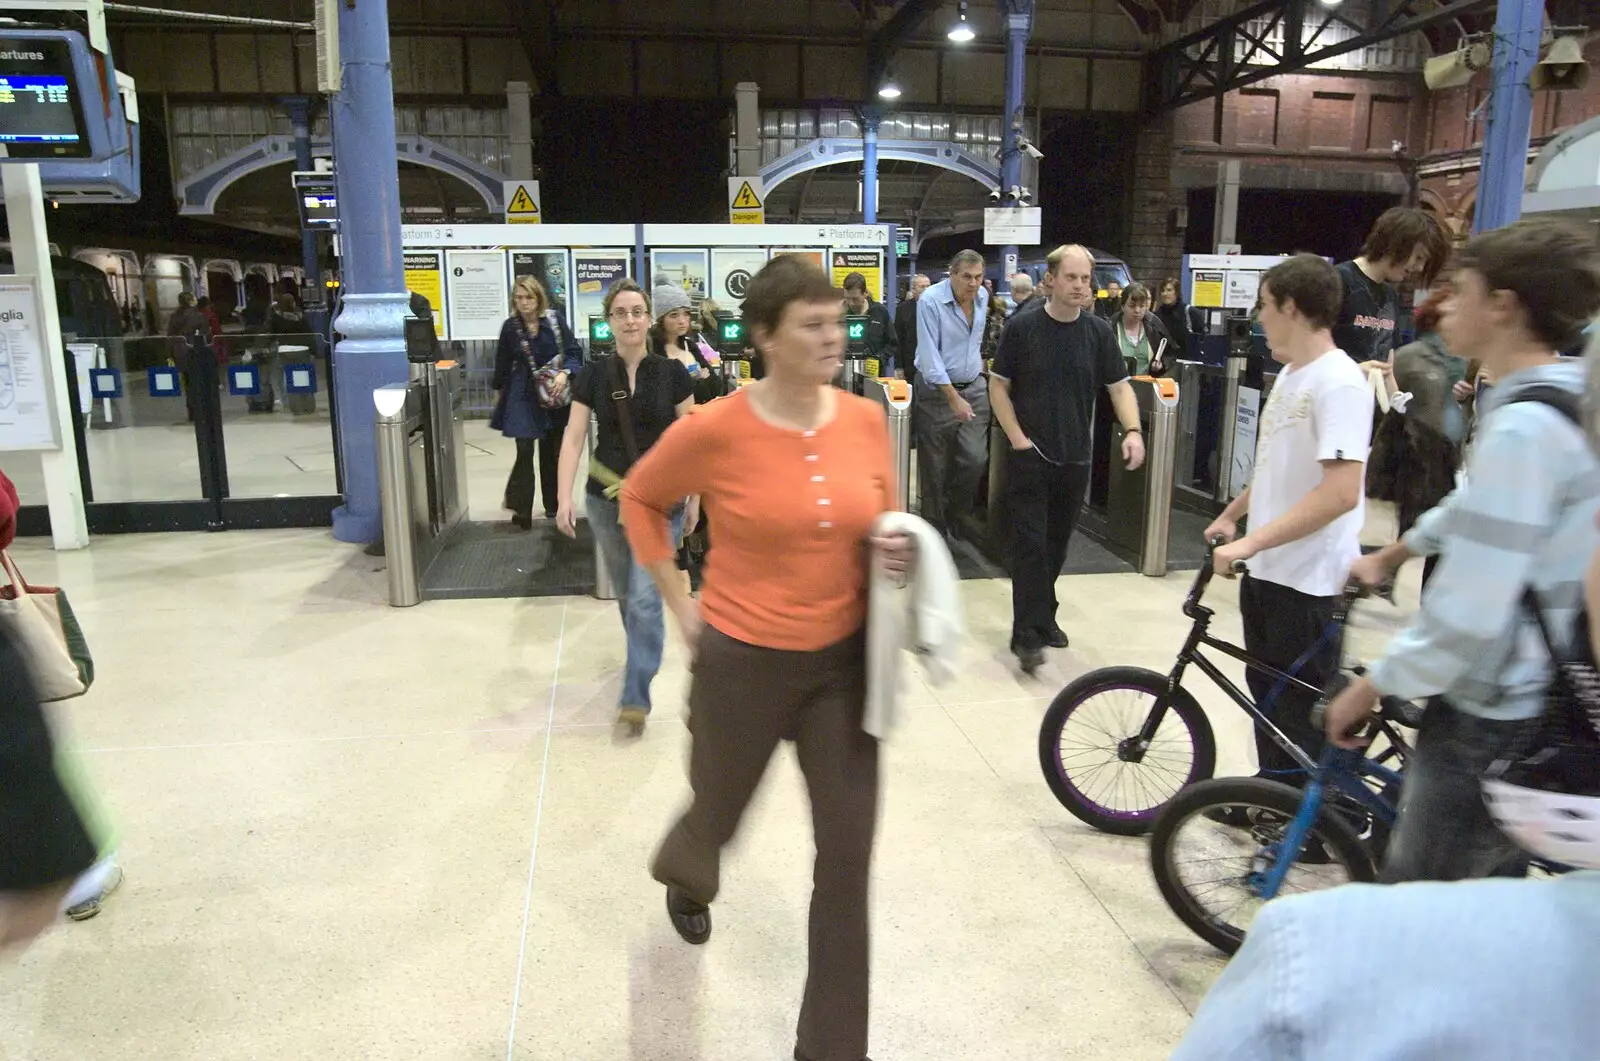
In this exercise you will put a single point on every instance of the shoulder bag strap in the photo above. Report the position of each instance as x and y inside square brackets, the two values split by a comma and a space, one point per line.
[623, 403]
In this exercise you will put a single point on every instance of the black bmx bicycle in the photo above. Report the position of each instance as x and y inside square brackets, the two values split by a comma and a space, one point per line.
[1119, 743]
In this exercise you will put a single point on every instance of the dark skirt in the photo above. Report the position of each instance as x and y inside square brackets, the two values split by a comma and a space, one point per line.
[43, 840]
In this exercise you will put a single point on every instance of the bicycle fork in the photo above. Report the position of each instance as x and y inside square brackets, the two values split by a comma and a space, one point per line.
[1132, 749]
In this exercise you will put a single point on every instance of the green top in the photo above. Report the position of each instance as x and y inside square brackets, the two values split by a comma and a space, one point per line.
[1140, 351]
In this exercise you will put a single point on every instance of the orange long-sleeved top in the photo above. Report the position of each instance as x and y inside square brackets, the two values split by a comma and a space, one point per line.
[789, 514]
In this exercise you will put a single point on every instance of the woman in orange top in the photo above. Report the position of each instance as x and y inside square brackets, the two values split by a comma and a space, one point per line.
[793, 472]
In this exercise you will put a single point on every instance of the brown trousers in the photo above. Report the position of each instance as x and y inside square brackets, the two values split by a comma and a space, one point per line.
[743, 701]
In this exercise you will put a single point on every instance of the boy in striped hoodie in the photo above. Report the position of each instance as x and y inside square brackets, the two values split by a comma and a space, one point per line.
[1523, 518]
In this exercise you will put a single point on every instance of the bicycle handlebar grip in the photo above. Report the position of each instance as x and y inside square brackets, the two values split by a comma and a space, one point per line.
[1238, 567]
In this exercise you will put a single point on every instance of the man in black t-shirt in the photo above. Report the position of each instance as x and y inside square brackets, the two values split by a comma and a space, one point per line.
[1406, 243]
[1051, 366]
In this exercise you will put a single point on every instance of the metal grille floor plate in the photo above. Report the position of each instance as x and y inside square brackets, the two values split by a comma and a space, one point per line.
[483, 560]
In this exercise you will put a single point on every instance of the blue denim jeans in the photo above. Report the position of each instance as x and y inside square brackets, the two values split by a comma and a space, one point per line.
[637, 598]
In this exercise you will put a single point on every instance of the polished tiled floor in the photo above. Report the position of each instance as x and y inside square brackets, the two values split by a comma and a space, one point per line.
[352, 831]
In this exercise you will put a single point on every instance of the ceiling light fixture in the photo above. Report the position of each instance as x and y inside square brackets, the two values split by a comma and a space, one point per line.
[890, 89]
[962, 31]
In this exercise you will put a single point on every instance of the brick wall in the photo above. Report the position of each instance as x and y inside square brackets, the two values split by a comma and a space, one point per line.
[1153, 248]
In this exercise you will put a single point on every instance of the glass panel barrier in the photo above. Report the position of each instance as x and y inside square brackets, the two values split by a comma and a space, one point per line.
[138, 417]
[275, 393]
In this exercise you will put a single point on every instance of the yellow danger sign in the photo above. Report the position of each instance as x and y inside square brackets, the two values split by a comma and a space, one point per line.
[745, 198]
[522, 203]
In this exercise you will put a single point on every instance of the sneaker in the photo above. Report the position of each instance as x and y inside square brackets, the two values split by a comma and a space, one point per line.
[633, 719]
[91, 907]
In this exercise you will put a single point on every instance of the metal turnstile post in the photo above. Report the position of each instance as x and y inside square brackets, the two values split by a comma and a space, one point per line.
[1160, 459]
[895, 396]
[1225, 429]
[603, 587]
[394, 490]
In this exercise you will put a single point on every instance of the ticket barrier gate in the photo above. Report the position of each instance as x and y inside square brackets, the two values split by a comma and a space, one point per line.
[422, 471]
[895, 397]
[1139, 502]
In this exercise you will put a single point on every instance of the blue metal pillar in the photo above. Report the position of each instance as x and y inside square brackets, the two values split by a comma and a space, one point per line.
[1517, 30]
[870, 117]
[299, 109]
[372, 352]
[1019, 24]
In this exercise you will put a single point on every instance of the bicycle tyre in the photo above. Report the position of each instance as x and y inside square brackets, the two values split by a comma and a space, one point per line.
[1125, 822]
[1335, 834]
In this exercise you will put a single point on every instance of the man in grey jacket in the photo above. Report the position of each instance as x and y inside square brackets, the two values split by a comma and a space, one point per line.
[1523, 520]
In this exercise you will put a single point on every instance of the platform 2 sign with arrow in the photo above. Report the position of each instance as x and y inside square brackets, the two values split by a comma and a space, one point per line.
[747, 197]
[522, 203]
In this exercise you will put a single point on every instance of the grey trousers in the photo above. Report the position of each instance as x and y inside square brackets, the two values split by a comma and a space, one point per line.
[951, 455]
[1444, 831]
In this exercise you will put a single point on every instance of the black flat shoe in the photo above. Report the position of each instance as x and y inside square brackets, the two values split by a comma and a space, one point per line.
[691, 919]
[522, 522]
[798, 1056]
[1055, 637]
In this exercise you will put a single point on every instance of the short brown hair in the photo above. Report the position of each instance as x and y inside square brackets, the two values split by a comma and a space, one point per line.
[1401, 230]
[1552, 266]
[1312, 283]
[622, 287]
[855, 282]
[783, 281]
[1135, 292]
[1172, 282]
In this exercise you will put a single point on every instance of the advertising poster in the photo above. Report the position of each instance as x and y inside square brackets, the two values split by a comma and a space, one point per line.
[868, 263]
[731, 271]
[27, 418]
[549, 267]
[425, 276]
[1240, 290]
[1246, 426]
[685, 269]
[1207, 290]
[593, 273]
[476, 296]
[815, 257]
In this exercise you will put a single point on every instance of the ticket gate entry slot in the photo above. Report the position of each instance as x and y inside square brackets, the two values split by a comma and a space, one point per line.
[895, 397]
[601, 341]
[1139, 502]
[853, 371]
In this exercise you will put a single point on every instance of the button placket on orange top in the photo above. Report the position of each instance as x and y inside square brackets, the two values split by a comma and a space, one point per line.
[818, 481]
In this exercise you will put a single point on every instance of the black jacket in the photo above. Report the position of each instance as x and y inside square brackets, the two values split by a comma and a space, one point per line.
[1175, 319]
[883, 340]
[905, 330]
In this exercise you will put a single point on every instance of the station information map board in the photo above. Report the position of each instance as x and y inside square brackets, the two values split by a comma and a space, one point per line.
[27, 410]
[467, 272]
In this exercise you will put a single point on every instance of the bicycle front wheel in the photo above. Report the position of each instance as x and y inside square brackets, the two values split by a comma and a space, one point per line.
[1094, 762]
[1213, 846]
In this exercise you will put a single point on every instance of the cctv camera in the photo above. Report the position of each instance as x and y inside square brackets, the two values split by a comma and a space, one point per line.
[1032, 152]
[994, 195]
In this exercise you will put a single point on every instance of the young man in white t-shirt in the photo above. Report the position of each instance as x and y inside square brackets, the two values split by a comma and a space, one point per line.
[1305, 499]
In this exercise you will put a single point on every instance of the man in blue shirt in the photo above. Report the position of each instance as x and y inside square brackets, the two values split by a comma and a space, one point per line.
[952, 397]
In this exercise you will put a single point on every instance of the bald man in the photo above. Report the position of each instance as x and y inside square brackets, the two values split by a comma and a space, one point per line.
[1051, 365]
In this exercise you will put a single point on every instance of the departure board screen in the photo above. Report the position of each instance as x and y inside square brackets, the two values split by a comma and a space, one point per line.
[41, 113]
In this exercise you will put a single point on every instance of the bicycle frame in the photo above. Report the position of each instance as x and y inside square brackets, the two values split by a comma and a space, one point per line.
[1200, 637]
[1347, 771]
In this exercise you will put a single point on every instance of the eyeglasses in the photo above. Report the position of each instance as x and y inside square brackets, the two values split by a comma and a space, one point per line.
[636, 313]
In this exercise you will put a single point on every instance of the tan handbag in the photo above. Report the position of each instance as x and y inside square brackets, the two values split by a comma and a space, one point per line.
[42, 622]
